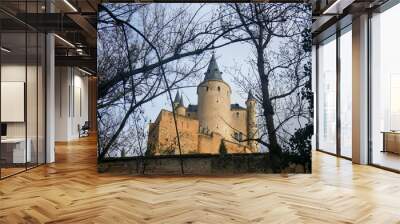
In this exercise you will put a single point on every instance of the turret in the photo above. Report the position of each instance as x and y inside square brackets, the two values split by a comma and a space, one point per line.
[181, 109]
[176, 100]
[252, 122]
[214, 99]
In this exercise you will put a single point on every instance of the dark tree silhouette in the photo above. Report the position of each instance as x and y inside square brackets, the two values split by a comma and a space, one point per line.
[147, 50]
[300, 142]
[222, 149]
[279, 72]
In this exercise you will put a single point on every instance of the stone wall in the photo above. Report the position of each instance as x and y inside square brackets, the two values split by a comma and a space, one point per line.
[209, 143]
[164, 137]
[233, 147]
[203, 164]
[239, 122]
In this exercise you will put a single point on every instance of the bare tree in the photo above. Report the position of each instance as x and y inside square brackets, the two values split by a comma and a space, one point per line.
[275, 33]
[145, 51]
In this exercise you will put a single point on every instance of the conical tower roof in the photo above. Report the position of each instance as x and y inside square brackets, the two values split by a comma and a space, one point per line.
[250, 96]
[181, 102]
[177, 98]
[213, 72]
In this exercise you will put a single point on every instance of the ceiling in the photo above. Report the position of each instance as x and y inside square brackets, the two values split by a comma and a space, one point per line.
[74, 22]
[329, 15]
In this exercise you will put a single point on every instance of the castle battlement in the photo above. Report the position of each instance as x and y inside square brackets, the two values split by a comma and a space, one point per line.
[203, 127]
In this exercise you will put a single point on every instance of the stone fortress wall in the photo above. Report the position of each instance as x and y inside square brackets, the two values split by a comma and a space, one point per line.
[203, 127]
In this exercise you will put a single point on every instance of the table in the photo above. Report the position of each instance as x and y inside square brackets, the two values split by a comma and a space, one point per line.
[15, 148]
[391, 141]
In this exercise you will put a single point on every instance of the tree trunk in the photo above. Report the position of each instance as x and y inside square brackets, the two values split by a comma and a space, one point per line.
[274, 149]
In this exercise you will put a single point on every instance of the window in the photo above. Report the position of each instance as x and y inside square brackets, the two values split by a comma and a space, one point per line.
[22, 66]
[334, 94]
[237, 114]
[346, 93]
[385, 89]
[327, 95]
[219, 88]
[238, 136]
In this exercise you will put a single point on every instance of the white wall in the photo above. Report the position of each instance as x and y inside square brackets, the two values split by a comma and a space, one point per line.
[360, 90]
[71, 94]
[62, 81]
[33, 126]
[12, 73]
[17, 73]
[50, 95]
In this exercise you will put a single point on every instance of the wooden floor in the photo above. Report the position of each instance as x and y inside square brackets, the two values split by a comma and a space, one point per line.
[387, 159]
[71, 191]
[5, 172]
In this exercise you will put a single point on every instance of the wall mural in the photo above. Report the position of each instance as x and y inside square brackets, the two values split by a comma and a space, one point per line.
[204, 88]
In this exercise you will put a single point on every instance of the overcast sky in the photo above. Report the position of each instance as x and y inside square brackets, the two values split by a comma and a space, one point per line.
[227, 57]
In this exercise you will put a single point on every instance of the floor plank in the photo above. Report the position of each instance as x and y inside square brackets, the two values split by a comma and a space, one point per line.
[71, 191]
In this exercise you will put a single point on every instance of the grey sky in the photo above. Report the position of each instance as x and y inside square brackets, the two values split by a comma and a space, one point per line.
[227, 57]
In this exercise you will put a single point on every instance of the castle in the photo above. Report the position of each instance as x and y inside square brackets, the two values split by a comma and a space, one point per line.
[203, 127]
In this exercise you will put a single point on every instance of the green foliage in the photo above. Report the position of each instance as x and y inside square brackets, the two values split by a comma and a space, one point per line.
[222, 149]
[306, 92]
[300, 142]
[150, 150]
[167, 151]
[224, 160]
[192, 152]
[307, 39]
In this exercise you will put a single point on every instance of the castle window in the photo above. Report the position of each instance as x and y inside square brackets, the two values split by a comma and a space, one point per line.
[237, 114]
[219, 88]
[207, 88]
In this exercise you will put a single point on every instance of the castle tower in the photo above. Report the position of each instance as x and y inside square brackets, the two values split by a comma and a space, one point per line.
[214, 101]
[180, 108]
[251, 122]
[176, 100]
